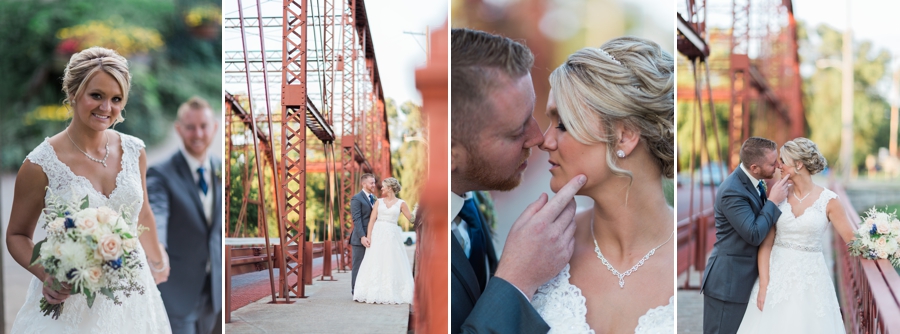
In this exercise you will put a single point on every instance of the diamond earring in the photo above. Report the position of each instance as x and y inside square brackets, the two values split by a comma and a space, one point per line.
[620, 154]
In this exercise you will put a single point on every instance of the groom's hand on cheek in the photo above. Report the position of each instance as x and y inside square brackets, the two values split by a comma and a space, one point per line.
[779, 190]
[541, 240]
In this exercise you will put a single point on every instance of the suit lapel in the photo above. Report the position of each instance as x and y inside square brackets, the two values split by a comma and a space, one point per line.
[463, 270]
[751, 188]
[184, 171]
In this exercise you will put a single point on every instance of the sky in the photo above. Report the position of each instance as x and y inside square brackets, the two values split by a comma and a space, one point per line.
[398, 53]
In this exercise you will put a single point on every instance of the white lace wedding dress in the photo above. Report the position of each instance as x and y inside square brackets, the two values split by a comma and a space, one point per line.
[562, 306]
[801, 296]
[385, 276]
[139, 313]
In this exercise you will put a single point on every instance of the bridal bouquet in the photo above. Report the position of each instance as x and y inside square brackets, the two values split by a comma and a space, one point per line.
[878, 237]
[90, 249]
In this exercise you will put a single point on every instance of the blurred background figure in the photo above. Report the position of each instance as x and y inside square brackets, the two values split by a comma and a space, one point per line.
[186, 196]
[553, 30]
[174, 51]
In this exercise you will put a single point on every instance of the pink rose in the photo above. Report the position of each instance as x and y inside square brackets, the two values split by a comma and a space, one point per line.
[110, 247]
[93, 274]
[87, 225]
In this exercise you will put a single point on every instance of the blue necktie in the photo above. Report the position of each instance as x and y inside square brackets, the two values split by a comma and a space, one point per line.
[470, 214]
[371, 199]
[762, 191]
[203, 186]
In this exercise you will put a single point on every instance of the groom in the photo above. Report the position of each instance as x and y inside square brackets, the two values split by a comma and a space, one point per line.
[185, 194]
[745, 211]
[361, 209]
[492, 133]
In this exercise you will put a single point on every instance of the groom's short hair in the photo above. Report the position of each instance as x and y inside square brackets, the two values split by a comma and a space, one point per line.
[477, 61]
[362, 178]
[754, 149]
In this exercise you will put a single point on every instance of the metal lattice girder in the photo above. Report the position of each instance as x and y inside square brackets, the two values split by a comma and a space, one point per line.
[348, 116]
[293, 138]
[269, 21]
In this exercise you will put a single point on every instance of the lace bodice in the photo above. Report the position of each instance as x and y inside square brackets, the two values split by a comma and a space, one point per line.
[563, 307]
[390, 215]
[804, 232]
[66, 185]
[140, 312]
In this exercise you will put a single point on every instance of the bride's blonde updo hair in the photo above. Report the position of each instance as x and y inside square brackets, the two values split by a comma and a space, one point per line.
[87, 63]
[628, 81]
[393, 184]
[806, 152]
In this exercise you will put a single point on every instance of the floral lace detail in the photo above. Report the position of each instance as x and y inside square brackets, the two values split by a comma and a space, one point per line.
[799, 270]
[384, 276]
[658, 320]
[140, 313]
[563, 307]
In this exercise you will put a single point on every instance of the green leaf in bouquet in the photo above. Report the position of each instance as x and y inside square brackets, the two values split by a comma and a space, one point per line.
[85, 202]
[127, 235]
[36, 252]
[108, 293]
[89, 296]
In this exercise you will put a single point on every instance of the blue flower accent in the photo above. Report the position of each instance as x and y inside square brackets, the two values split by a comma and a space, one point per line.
[872, 254]
[115, 264]
[71, 274]
[70, 223]
[67, 213]
[874, 230]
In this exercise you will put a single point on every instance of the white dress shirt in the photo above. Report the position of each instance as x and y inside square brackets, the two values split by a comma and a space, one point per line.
[205, 199]
[753, 180]
[459, 227]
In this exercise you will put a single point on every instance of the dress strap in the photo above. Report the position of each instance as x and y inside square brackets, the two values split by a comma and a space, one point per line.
[44, 156]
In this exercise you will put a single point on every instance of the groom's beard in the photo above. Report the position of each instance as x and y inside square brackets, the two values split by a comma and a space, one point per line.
[493, 176]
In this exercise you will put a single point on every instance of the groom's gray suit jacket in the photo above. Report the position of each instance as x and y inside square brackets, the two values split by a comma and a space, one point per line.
[742, 222]
[181, 226]
[501, 308]
[360, 210]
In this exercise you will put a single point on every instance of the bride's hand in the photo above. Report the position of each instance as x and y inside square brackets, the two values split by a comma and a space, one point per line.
[761, 298]
[55, 296]
[160, 269]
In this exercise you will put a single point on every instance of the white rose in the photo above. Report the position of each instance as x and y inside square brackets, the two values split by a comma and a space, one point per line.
[881, 243]
[106, 216]
[129, 244]
[883, 227]
[57, 224]
[882, 254]
[87, 225]
[89, 212]
[110, 247]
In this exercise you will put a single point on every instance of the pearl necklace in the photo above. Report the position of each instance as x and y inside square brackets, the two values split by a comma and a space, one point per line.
[101, 161]
[615, 272]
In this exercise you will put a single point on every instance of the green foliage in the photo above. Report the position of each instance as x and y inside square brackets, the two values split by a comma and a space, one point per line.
[32, 62]
[409, 160]
[822, 95]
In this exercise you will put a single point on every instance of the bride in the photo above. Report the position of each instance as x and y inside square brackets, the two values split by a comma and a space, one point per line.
[794, 292]
[612, 119]
[384, 276]
[88, 159]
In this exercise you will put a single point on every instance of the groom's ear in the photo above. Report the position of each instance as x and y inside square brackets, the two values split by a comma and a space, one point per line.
[628, 138]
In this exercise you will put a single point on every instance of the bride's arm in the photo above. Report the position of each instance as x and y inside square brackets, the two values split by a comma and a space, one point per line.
[156, 255]
[28, 201]
[762, 258]
[839, 220]
[372, 221]
[405, 211]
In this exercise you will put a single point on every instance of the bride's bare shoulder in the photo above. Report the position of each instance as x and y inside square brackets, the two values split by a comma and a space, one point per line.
[34, 174]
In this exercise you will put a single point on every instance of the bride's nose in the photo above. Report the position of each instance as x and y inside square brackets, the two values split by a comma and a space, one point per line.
[549, 143]
[106, 105]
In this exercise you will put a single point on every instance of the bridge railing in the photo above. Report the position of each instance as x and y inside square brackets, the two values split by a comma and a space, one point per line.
[869, 290]
[696, 236]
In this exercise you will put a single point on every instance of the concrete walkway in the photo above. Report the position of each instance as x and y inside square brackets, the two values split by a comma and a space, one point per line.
[328, 308]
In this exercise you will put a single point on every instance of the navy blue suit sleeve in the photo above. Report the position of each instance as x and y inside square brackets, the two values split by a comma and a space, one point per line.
[356, 212]
[158, 194]
[503, 309]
